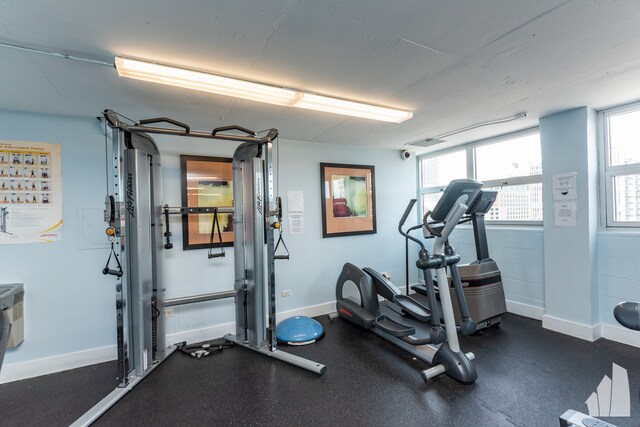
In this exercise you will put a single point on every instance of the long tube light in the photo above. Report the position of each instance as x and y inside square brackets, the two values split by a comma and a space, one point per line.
[206, 82]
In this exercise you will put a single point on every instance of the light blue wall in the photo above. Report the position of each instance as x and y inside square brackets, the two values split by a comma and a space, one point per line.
[69, 304]
[571, 287]
[518, 251]
[618, 271]
[573, 275]
[316, 262]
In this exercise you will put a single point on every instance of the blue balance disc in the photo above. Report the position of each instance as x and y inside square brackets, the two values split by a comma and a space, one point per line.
[298, 330]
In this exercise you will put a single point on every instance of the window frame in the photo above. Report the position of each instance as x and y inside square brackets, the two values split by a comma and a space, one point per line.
[469, 147]
[608, 173]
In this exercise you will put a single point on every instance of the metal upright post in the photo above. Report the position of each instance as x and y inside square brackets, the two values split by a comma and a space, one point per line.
[268, 223]
[115, 164]
[253, 197]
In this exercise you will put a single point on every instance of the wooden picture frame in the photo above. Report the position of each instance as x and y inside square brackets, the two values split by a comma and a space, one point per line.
[206, 182]
[348, 199]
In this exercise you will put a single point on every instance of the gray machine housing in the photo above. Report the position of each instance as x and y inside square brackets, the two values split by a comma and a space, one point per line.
[12, 308]
[487, 301]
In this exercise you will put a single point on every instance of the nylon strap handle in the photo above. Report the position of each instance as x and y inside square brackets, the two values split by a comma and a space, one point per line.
[106, 270]
[215, 224]
[284, 245]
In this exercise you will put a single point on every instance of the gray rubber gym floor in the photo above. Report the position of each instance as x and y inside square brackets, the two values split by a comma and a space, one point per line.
[528, 376]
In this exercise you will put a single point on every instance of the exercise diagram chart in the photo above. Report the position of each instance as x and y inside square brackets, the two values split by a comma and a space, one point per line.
[30, 192]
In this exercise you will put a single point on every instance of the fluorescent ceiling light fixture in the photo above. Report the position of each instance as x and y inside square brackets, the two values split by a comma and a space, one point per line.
[206, 82]
[189, 79]
[350, 108]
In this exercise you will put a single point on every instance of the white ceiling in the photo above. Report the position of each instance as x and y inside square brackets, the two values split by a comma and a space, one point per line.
[454, 63]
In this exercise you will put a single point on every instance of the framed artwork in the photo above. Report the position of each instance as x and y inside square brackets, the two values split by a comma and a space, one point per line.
[206, 182]
[348, 199]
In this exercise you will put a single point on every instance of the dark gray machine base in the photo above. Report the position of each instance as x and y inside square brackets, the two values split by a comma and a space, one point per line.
[456, 365]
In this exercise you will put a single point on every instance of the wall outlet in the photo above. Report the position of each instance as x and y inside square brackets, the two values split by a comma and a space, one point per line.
[286, 293]
[168, 312]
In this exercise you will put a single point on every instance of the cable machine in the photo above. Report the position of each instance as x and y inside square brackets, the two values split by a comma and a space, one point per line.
[135, 213]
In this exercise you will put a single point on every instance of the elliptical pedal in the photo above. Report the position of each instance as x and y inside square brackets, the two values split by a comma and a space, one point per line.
[413, 307]
[393, 328]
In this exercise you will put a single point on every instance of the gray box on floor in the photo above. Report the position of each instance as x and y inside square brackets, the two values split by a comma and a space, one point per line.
[12, 303]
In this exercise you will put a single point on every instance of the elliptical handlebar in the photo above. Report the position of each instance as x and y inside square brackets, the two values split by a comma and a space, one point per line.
[426, 224]
[407, 211]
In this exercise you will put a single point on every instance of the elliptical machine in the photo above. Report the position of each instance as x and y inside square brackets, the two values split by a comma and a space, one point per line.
[481, 279]
[403, 320]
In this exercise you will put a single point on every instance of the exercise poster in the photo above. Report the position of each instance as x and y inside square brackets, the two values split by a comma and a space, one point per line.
[30, 192]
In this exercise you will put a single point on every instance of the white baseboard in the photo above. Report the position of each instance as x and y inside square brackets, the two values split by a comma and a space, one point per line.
[310, 311]
[620, 334]
[526, 310]
[62, 362]
[202, 334]
[574, 329]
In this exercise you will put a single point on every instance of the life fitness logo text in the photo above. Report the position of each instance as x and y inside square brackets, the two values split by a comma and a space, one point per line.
[130, 199]
[345, 312]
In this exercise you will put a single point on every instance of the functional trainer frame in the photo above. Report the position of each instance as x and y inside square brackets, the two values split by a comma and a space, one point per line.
[135, 212]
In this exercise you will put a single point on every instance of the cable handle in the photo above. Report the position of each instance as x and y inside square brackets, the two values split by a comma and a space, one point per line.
[109, 271]
[278, 225]
[215, 224]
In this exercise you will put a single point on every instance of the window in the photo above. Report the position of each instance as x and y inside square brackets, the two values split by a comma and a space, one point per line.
[436, 172]
[620, 160]
[510, 164]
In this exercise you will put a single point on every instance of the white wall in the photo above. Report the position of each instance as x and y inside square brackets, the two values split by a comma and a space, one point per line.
[69, 304]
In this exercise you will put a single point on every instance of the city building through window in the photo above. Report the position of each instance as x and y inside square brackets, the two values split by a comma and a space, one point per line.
[510, 164]
[620, 163]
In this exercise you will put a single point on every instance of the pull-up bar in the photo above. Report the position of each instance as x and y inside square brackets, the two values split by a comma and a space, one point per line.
[185, 130]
